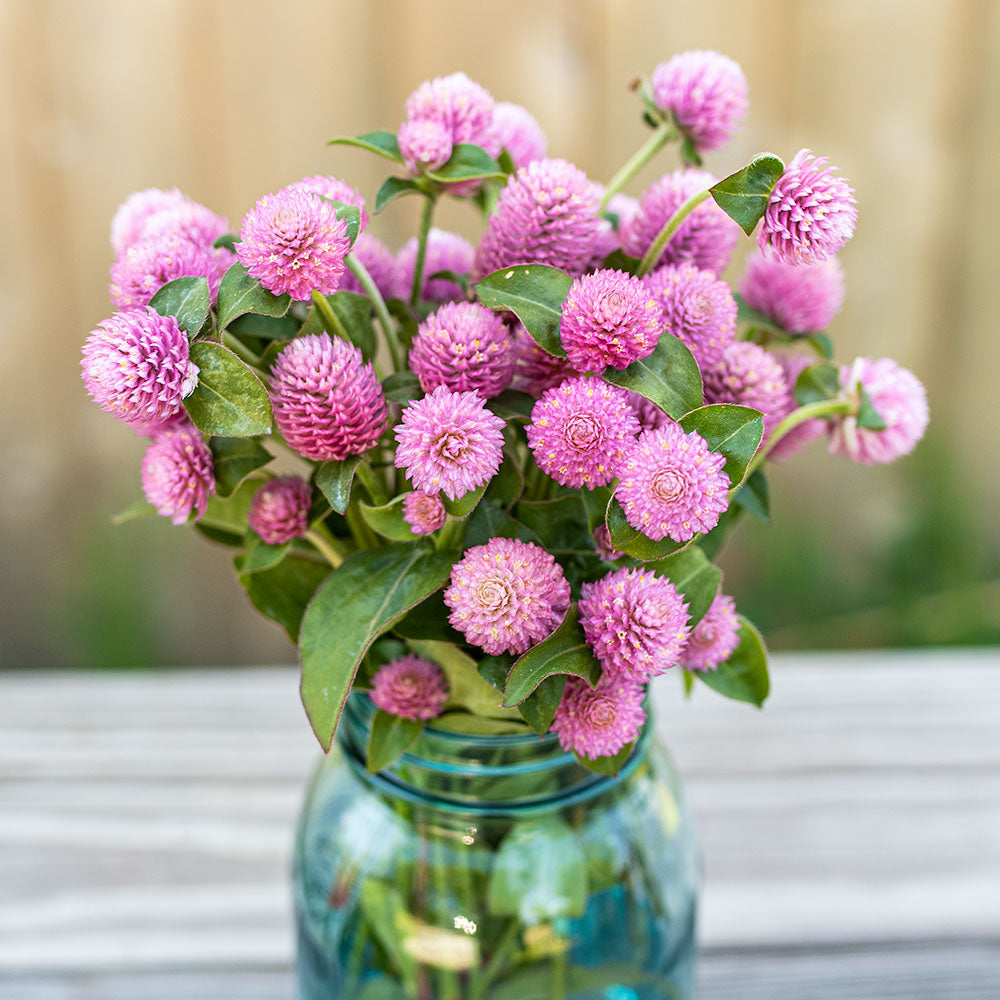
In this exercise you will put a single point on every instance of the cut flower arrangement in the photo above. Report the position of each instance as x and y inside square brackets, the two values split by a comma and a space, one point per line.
[514, 461]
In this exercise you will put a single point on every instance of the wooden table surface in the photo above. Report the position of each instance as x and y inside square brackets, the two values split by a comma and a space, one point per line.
[850, 831]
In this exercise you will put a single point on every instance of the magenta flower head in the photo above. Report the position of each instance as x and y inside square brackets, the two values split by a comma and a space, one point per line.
[580, 430]
[464, 346]
[697, 308]
[177, 475]
[292, 242]
[707, 94]
[334, 189]
[449, 441]
[136, 365]
[608, 318]
[798, 298]
[714, 638]
[424, 512]
[635, 622]
[516, 130]
[899, 399]
[536, 370]
[506, 595]
[327, 402]
[424, 144]
[811, 213]
[129, 221]
[672, 485]
[747, 375]
[380, 263]
[706, 237]
[188, 220]
[461, 106]
[279, 510]
[410, 687]
[548, 213]
[445, 252]
[599, 722]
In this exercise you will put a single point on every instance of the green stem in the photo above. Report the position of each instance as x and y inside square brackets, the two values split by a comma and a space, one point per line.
[360, 532]
[372, 483]
[662, 134]
[452, 534]
[326, 545]
[655, 251]
[559, 975]
[822, 408]
[331, 319]
[418, 264]
[381, 311]
[237, 346]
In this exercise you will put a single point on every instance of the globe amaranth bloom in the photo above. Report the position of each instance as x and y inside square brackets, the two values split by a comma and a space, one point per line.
[506, 595]
[899, 399]
[599, 722]
[707, 94]
[609, 318]
[635, 622]
[535, 370]
[410, 687]
[671, 484]
[580, 430]
[713, 640]
[445, 252]
[800, 298]
[747, 375]
[380, 263]
[464, 346]
[424, 512]
[136, 365]
[177, 475]
[798, 437]
[129, 221]
[424, 144]
[811, 213]
[292, 242]
[164, 213]
[461, 106]
[279, 510]
[333, 188]
[516, 130]
[327, 402]
[449, 441]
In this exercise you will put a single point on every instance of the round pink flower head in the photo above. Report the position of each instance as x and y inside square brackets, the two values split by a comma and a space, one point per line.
[189, 220]
[747, 375]
[424, 512]
[714, 638]
[548, 213]
[672, 485]
[650, 415]
[449, 441]
[811, 213]
[129, 221]
[292, 242]
[635, 622]
[608, 318]
[464, 346]
[506, 595]
[706, 237]
[279, 510]
[410, 688]
[516, 130]
[463, 107]
[798, 437]
[424, 144]
[697, 308]
[136, 366]
[334, 189]
[177, 474]
[327, 402]
[899, 399]
[536, 370]
[380, 263]
[445, 252]
[580, 430]
[707, 94]
[602, 545]
[798, 298]
[599, 722]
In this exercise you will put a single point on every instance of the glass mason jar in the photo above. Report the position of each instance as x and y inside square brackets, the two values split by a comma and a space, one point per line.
[493, 868]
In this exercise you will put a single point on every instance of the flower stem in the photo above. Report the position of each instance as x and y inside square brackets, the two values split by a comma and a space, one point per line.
[381, 312]
[662, 134]
[418, 264]
[376, 489]
[237, 346]
[331, 319]
[821, 408]
[326, 545]
[451, 534]
[663, 237]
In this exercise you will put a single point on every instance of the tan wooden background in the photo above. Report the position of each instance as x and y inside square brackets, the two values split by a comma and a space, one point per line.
[229, 99]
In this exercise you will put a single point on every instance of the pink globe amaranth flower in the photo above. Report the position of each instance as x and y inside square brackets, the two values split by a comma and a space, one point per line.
[548, 213]
[380, 263]
[516, 130]
[129, 221]
[536, 370]
[609, 318]
[798, 298]
[177, 475]
[424, 144]
[696, 308]
[707, 94]
[747, 375]
[424, 512]
[580, 430]
[279, 510]
[599, 722]
[410, 687]
[327, 402]
[811, 213]
[189, 220]
[602, 545]
[464, 346]
[327, 186]
[714, 638]
[463, 107]
[136, 366]
[154, 428]
[449, 442]
[649, 414]
[635, 622]
[706, 238]
[292, 242]
[798, 437]
[672, 485]
[899, 399]
[506, 595]
[445, 252]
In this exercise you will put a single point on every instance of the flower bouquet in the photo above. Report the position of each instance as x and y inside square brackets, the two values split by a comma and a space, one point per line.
[505, 470]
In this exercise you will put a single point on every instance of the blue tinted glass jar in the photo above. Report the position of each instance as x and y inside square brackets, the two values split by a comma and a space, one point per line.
[493, 868]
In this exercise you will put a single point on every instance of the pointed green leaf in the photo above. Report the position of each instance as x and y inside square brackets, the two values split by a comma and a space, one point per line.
[351, 214]
[381, 142]
[535, 294]
[743, 196]
[401, 387]
[816, 383]
[388, 521]
[694, 576]
[187, 300]
[669, 377]
[462, 280]
[239, 294]
[868, 416]
[494, 670]
[229, 514]
[393, 188]
[607, 766]
[733, 431]
[539, 708]
[467, 162]
[466, 503]
[626, 539]
[489, 521]
[234, 459]
[479, 725]
[141, 508]
[227, 241]
[466, 687]
[258, 555]
[272, 328]
[355, 314]
[229, 399]
[561, 523]
[743, 676]
[618, 260]
[428, 621]
[282, 592]
[334, 480]
[822, 343]
[389, 738]
[754, 496]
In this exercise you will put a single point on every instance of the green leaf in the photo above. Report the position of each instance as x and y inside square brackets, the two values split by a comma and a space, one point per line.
[462, 280]
[747, 314]
[393, 188]
[689, 153]
[273, 328]
[381, 142]
[626, 539]
[355, 314]
[478, 725]
[535, 294]
[539, 708]
[489, 521]
[334, 480]
[234, 459]
[229, 399]
[229, 514]
[743, 196]
[669, 377]
[607, 766]
[239, 294]
[227, 241]
[816, 383]
[822, 343]
[429, 620]
[282, 592]
[351, 214]
[743, 676]
[618, 260]
[694, 576]
[187, 300]
[389, 738]
[868, 416]
[467, 162]
[512, 405]
[401, 387]
[259, 556]
[384, 910]
[466, 503]
[562, 524]
[388, 521]
[466, 687]
[508, 484]
[754, 496]
[494, 670]
[733, 431]
[364, 597]
[141, 508]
